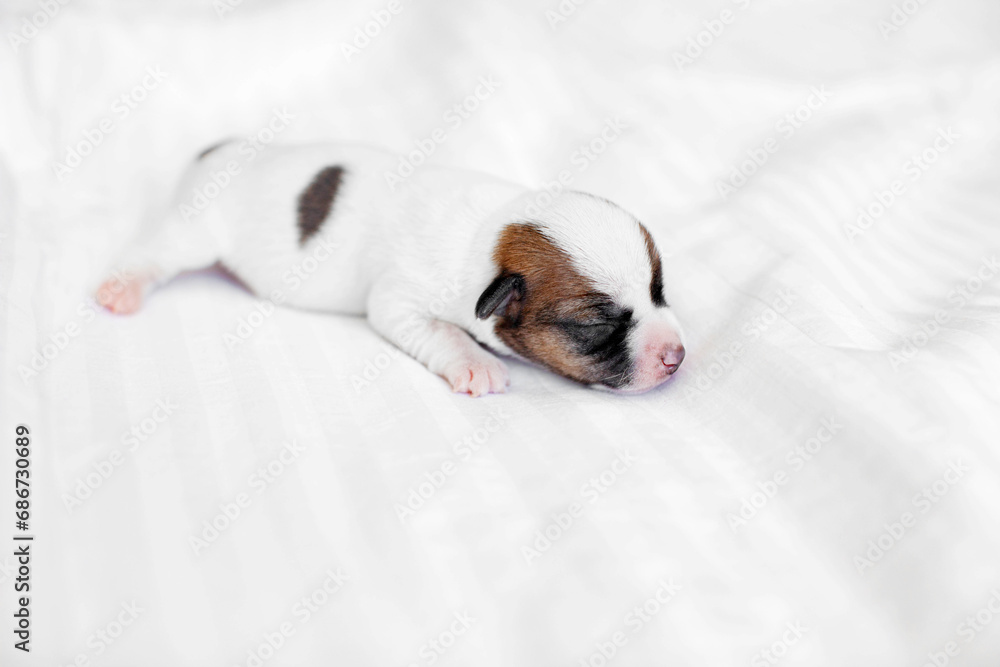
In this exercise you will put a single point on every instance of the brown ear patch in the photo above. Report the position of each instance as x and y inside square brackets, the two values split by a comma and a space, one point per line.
[555, 293]
[656, 282]
[316, 201]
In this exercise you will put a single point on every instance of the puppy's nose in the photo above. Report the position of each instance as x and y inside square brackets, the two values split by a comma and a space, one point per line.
[672, 358]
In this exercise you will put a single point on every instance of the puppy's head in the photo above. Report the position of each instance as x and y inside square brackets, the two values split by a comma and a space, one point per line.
[579, 290]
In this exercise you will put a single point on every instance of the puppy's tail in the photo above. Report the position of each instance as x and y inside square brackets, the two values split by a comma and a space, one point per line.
[214, 147]
[174, 246]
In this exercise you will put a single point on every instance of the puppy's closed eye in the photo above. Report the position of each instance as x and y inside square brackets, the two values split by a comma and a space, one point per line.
[590, 336]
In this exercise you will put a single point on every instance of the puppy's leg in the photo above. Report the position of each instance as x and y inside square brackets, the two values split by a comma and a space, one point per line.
[175, 246]
[442, 347]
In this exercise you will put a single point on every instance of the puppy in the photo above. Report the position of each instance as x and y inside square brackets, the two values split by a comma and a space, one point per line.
[451, 266]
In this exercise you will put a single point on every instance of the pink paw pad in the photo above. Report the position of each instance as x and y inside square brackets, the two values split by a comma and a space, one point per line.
[479, 377]
[121, 296]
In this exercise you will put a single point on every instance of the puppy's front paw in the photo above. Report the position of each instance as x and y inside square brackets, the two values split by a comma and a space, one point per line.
[478, 376]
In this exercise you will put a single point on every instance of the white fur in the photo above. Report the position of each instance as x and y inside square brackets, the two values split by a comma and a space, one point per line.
[414, 258]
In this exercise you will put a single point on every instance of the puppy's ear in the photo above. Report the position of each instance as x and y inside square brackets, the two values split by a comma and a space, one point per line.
[503, 297]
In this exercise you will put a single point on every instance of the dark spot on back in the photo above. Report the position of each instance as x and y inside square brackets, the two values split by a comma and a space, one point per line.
[316, 201]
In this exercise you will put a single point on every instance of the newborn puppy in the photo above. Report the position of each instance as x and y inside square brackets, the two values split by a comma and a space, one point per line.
[450, 266]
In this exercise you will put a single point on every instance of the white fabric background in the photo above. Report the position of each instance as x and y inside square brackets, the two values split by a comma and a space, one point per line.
[700, 448]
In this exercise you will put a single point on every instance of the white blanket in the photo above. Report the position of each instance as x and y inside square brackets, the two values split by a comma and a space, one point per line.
[818, 485]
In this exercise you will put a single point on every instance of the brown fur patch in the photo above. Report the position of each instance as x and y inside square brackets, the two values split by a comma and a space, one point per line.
[316, 201]
[656, 283]
[555, 292]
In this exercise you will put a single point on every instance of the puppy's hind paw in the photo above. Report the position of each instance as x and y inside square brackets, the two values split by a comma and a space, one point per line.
[122, 297]
[479, 376]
